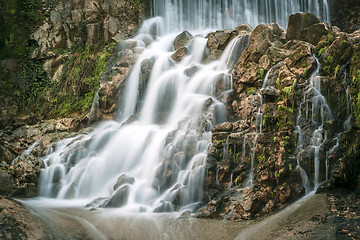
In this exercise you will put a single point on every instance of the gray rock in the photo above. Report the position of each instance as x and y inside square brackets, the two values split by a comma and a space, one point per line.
[122, 180]
[182, 39]
[298, 23]
[119, 198]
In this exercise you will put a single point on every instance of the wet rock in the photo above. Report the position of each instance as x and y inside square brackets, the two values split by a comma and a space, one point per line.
[298, 23]
[220, 39]
[122, 180]
[164, 207]
[119, 198]
[6, 183]
[97, 202]
[180, 54]
[182, 40]
[18, 222]
[244, 28]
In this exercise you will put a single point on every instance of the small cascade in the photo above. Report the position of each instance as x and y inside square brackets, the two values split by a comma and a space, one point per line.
[94, 108]
[258, 130]
[221, 14]
[320, 113]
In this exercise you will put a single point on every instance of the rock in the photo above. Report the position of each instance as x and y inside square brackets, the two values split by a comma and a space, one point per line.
[122, 180]
[67, 124]
[56, 21]
[92, 32]
[220, 39]
[6, 183]
[19, 222]
[315, 32]
[119, 198]
[180, 54]
[298, 23]
[244, 28]
[182, 40]
[164, 207]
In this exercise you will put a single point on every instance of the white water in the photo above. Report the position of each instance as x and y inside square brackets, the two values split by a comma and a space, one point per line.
[320, 113]
[164, 149]
[221, 14]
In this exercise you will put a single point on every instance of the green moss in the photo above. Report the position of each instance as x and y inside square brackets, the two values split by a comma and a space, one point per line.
[250, 91]
[80, 81]
[17, 21]
[261, 72]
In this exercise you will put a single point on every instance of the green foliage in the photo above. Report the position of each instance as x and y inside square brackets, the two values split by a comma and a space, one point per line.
[17, 22]
[34, 83]
[337, 70]
[261, 158]
[304, 74]
[261, 72]
[278, 82]
[323, 45]
[250, 91]
[321, 51]
[287, 92]
[80, 81]
[285, 117]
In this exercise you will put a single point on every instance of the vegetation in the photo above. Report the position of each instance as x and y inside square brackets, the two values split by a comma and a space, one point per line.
[79, 82]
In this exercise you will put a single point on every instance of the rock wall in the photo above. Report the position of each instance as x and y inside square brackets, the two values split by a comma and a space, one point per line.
[345, 14]
[71, 22]
[253, 164]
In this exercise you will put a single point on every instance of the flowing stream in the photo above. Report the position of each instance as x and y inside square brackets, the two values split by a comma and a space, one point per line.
[156, 161]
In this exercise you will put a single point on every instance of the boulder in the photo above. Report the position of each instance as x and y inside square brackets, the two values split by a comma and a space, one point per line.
[182, 40]
[122, 180]
[298, 23]
[119, 198]
[315, 32]
[180, 54]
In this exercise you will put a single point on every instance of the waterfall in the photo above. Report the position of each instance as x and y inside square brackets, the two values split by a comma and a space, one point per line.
[155, 163]
[153, 157]
[221, 14]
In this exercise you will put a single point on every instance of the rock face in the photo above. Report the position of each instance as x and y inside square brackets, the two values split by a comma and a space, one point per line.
[344, 14]
[298, 23]
[73, 21]
[17, 222]
[253, 163]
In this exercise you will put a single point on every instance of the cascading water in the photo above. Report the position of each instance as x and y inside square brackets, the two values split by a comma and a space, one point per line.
[156, 162]
[221, 14]
[320, 113]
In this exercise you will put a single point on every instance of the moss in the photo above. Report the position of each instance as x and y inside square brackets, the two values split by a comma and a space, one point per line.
[17, 21]
[261, 72]
[80, 81]
[355, 84]
[250, 91]
[325, 43]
